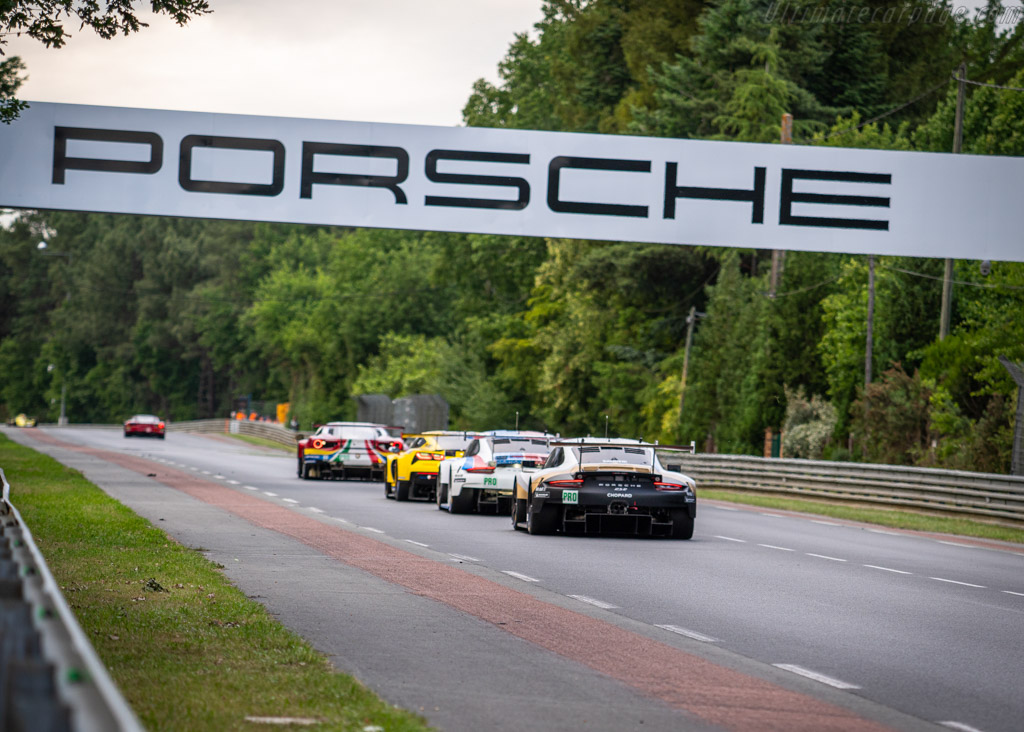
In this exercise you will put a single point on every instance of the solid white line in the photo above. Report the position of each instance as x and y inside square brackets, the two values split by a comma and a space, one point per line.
[954, 582]
[960, 726]
[268, 493]
[418, 543]
[729, 538]
[886, 569]
[1018, 594]
[289, 500]
[688, 633]
[316, 510]
[822, 556]
[523, 577]
[725, 508]
[772, 546]
[463, 557]
[596, 603]
[815, 676]
[825, 523]
[370, 528]
[955, 543]
[250, 487]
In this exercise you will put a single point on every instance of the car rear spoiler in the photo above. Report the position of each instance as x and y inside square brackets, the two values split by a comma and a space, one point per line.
[691, 448]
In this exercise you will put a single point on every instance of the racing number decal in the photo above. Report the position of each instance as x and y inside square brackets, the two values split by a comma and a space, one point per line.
[570, 496]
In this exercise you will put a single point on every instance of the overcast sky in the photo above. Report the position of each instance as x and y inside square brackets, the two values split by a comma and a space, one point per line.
[404, 61]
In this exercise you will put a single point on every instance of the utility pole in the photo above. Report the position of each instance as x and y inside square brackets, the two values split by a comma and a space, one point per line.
[958, 136]
[690, 320]
[779, 255]
[869, 346]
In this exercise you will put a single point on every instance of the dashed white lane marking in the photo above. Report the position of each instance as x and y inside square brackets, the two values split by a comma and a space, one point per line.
[220, 477]
[205, 472]
[250, 487]
[960, 726]
[772, 546]
[371, 529]
[233, 482]
[882, 531]
[688, 633]
[824, 556]
[463, 557]
[341, 520]
[955, 543]
[418, 543]
[825, 523]
[517, 575]
[195, 470]
[773, 515]
[268, 493]
[592, 601]
[807, 673]
[886, 569]
[1018, 594]
[289, 500]
[954, 582]
[729, 538]
[725, 508]
[316, 510]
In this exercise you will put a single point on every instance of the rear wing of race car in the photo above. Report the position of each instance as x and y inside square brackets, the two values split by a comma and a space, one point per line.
[690, 449]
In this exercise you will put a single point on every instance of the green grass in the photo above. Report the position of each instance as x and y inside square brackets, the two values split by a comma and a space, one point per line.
[262, 442]
[198, 656]
[892, 518]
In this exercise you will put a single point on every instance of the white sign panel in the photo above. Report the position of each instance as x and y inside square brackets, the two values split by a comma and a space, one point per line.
[517, 182]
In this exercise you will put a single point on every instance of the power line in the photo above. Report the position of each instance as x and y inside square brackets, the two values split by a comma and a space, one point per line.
[955, 282]
[990, 86]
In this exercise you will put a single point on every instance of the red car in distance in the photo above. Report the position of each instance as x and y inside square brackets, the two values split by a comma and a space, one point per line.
[144, 425]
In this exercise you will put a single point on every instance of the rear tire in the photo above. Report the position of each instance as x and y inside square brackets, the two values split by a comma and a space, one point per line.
[442, 496]
[402, 490]
[682, 524]
[387, 491]
[543, 522]
[518, 509]
[462, 503]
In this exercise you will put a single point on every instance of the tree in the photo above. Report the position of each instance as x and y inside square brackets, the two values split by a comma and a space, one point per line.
[44, 20]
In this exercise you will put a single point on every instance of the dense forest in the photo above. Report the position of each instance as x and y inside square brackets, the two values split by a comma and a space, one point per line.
[181, 316]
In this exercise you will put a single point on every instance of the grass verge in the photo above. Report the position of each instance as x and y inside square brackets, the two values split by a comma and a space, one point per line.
[261, 442]
[188, 650]
[892, 518]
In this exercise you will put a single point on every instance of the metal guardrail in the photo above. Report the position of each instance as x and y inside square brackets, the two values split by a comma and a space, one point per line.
[50, 676]
[951, 492]
[266, 430]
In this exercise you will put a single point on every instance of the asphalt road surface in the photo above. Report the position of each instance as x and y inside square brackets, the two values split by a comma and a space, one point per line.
[764, 620]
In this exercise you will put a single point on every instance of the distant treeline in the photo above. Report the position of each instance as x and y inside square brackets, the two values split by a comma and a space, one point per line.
[181, 316]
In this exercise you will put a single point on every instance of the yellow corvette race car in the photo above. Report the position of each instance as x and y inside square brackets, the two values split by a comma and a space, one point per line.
[412, 473]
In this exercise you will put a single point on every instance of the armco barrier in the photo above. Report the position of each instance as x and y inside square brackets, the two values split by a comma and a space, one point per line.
[50, 676]
[267, 430]
[953, 492]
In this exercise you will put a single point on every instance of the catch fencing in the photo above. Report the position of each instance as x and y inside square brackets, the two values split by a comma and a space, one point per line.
[50, 675]
[950, 492]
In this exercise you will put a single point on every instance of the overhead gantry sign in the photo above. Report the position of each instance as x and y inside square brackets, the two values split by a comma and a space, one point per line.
[515, 182]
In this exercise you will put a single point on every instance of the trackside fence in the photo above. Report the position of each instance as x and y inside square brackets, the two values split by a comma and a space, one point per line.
[50, 676]
[952, 492]
[267, 430]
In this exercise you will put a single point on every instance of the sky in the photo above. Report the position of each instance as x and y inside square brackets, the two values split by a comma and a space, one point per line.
[400, 61]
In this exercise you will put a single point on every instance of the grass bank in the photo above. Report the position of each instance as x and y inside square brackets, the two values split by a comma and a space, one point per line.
[188, 650]
[891, 518]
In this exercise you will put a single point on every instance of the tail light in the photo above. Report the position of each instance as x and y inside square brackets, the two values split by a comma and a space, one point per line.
[161, 425]
[660, 485]
[566, 483]
[388, 446]
[485, 469]
[428, 456]
[325, 444]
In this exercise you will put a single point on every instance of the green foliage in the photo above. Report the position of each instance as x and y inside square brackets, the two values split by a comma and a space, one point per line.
[808, 426]
[890, 423]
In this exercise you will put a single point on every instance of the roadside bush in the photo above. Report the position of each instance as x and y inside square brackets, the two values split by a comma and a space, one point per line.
[809, 425]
